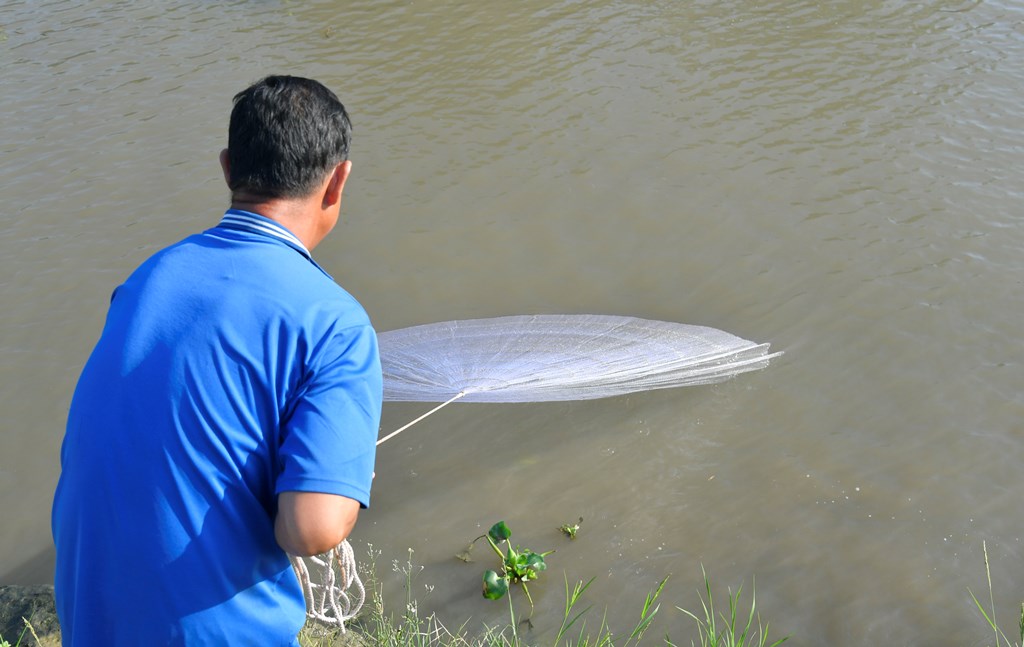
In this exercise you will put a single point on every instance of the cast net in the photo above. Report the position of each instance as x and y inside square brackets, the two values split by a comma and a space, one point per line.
[537, 358]
[531, 358]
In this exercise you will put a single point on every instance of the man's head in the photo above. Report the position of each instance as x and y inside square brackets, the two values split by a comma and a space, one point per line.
[286, 134]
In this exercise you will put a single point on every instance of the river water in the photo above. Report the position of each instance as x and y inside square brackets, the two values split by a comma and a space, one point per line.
[842, 180]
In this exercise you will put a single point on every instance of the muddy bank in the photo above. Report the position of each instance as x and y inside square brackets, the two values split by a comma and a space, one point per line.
[34, 604]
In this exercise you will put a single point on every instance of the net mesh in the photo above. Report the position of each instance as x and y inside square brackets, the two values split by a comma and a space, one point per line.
[536, 358]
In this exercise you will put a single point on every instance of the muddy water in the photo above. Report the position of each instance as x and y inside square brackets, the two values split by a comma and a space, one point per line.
[838, 179]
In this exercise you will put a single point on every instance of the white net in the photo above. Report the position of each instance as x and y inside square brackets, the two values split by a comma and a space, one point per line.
[531, 358]
[536, 358]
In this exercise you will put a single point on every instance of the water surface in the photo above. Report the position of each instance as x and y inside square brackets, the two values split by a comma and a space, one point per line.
[838, 179]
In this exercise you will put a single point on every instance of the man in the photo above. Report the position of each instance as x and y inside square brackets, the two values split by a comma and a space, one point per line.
[229, 412]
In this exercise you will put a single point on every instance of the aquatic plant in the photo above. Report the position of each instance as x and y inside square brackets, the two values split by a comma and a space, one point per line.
[517, 565]
[570, 530]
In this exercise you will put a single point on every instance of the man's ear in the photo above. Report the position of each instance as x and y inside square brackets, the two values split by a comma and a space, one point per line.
[336, 185]
[225, 165]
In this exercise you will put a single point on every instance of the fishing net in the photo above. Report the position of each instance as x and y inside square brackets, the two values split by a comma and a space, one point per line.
[533, 358]
[536, 358]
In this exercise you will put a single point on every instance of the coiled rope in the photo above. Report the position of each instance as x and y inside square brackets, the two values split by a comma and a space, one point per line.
[339, 594]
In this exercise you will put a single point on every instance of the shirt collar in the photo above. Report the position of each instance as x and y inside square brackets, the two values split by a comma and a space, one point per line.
[261, 225]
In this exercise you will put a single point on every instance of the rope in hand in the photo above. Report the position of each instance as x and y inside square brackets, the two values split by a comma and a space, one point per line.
[329, 602]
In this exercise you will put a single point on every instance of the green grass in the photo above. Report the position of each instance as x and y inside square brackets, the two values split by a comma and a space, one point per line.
[990, 616]
[29, 630]
[603, 636]
[729, 630]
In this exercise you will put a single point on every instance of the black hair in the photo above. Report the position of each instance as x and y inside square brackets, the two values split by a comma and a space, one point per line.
[286, 134]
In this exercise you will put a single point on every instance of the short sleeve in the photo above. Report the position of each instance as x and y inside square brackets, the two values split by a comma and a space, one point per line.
[328, 442]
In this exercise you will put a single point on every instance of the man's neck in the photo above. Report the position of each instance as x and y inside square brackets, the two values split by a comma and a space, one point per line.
[292, 214]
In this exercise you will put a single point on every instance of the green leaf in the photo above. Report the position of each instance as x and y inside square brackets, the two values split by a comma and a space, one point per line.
[510, 559]
[536, 562]
[494, 586]
[499, 532]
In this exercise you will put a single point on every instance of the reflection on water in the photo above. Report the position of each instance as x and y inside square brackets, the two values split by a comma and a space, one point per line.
[836, 179]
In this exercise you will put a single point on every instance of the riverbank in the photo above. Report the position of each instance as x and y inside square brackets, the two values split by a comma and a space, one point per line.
[741, 627]
[28, 619]
[34, 604]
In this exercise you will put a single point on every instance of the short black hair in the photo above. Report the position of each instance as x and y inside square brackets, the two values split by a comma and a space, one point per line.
[286, 134]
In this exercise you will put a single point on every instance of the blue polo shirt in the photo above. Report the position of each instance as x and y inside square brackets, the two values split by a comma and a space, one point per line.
[231, 368]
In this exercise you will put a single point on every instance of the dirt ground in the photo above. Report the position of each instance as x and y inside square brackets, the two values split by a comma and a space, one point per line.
[34, 604]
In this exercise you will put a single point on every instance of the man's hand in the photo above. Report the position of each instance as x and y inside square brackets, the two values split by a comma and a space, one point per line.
[310, 523]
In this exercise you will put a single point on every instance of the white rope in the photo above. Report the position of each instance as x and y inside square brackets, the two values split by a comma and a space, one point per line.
[330, 602]
[434, 410]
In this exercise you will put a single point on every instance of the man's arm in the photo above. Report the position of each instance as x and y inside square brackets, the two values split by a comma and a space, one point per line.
[310, 523]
